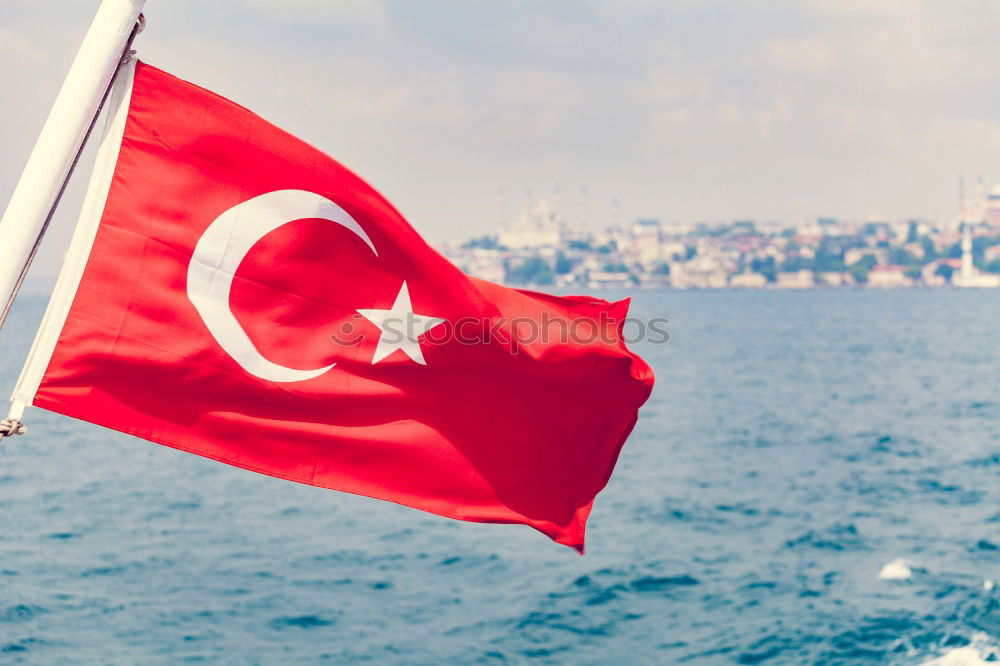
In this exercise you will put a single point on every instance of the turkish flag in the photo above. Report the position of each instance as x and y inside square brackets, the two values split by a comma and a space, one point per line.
[250, 300]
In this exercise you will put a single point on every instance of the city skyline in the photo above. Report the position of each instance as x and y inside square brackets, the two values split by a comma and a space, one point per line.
[681, 110]
[543, 246]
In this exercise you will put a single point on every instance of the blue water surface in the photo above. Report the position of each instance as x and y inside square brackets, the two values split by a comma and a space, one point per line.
[795, 443]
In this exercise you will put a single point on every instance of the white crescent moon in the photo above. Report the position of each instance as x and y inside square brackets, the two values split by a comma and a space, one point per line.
[221, 249]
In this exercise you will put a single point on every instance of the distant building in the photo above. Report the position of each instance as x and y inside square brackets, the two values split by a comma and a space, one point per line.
[608, 280]
[699, 273]
[673, 251]
[539, 226]
[481, 263]
[991, 208]
[654, 280]
[888, 276]
[748, 281]
[834, 279]
[982, 206]
[796, 280]
[646, 242]
[613, 238]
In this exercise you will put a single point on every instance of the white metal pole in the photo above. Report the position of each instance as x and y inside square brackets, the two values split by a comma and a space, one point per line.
[61, 140]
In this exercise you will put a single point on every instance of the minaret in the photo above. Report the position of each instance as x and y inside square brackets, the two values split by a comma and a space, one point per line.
[584, 210]
[616, 213]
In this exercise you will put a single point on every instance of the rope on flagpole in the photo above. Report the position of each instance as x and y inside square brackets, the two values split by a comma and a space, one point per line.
[127, 54]
[11, 427]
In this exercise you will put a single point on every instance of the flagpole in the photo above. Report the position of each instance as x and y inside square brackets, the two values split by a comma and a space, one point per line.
[62, 139]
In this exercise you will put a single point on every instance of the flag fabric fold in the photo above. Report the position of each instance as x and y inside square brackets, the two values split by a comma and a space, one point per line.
[248, 299]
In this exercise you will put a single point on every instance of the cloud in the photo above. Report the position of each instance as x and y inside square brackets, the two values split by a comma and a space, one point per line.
[666, 87]
[809, 55]
[356, 12]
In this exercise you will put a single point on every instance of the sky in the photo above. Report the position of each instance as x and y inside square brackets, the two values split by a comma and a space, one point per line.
[681, 110]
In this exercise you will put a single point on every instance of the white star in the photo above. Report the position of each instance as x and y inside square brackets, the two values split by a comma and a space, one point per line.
[400, 327]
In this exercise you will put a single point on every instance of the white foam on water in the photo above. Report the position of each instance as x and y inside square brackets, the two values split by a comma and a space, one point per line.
[966, 656]
[988, 584]
[898, 569]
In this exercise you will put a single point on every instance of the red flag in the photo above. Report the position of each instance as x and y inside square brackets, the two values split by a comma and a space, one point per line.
[248, 299]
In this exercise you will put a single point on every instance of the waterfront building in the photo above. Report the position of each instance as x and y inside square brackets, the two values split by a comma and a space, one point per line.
[609, 280]
[748, 280]
[699, 273]
[802, 279]
[888, 276]
[834, 279]
[654, 280]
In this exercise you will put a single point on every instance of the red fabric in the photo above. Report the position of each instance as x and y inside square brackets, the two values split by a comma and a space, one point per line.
[499, 431]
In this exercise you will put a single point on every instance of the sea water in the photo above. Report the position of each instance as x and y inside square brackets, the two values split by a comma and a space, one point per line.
[815, 480]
